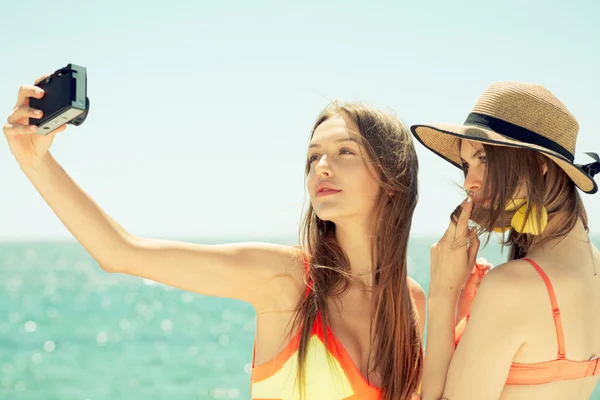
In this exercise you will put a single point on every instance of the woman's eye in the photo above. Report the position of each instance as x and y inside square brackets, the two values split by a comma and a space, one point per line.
[483, 159]
[465, 167]
[312, 158]
[346, 151]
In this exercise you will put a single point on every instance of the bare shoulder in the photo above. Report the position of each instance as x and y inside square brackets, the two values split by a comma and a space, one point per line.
[284, 267]
[511, 277]
[416, 290]
[502, 278]
[505, 289]
[279, 260]
[418, 295]
[272, 255]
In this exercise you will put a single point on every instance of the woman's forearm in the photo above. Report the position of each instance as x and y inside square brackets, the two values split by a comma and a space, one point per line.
[97, 232]
[440, 344]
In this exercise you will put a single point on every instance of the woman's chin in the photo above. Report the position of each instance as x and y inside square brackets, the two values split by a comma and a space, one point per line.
[323, 216]
[329, 214]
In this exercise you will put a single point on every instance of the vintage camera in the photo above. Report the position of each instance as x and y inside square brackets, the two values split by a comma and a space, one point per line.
[65, 99]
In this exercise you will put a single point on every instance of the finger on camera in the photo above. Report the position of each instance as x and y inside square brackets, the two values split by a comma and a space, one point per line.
[23, 112]
[19, 129]
[27, 91]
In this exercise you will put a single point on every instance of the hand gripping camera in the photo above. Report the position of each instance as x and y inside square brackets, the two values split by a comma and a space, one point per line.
[65, 99]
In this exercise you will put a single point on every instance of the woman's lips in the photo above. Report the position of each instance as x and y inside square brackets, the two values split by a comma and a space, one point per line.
[327, 192]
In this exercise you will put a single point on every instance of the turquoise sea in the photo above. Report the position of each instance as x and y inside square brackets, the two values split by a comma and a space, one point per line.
[69, 331]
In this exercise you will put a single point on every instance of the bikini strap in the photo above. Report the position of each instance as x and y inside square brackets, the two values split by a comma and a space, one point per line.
[555, 309]
[307, 274]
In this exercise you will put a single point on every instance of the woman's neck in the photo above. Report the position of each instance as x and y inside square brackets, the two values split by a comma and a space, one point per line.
[578, 232]
[355, 240]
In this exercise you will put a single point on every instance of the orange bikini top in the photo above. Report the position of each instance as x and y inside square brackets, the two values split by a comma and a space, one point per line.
[558, 369]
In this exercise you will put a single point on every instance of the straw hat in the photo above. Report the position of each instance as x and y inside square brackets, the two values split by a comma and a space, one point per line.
[518, 115]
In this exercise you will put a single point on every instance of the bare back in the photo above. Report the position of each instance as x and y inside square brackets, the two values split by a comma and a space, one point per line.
[570, 270]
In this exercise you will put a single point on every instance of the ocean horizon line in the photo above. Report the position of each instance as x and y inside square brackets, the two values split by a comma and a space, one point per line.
[217, 239]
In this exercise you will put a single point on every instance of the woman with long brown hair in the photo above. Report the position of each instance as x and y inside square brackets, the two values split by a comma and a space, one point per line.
[337, 317]
[534, 330]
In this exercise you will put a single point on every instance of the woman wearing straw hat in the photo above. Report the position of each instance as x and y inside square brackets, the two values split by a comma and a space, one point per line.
[533, 331]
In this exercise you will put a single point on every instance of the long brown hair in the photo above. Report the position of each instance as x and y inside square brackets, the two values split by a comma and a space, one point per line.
[507, 170]
[395, 334]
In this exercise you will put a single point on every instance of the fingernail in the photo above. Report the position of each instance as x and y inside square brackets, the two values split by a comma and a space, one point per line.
[32, 127]
[37, 112]
[469, 199]
[38, 91]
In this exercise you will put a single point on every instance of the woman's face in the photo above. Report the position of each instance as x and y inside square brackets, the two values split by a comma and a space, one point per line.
[342, 183]
[474, 164]
[472, 155]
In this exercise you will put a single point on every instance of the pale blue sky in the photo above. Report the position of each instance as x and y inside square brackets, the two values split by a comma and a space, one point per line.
[201, 111]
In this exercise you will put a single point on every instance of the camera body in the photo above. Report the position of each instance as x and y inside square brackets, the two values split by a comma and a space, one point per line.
[65, 99]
